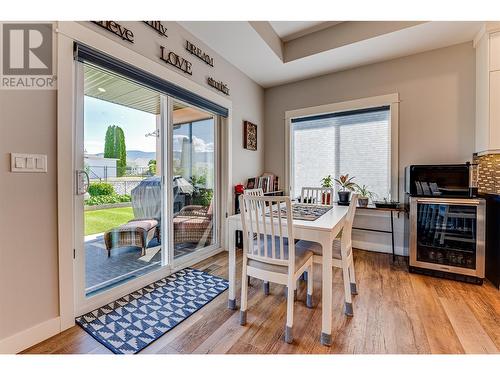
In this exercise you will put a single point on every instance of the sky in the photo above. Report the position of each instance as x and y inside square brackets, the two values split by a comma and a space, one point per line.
[100, 114]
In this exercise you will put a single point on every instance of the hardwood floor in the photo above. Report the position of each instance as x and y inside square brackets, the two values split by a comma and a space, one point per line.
[394, 312]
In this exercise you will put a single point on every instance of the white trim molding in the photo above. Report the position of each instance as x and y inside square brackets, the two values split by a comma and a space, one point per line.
[29, 337]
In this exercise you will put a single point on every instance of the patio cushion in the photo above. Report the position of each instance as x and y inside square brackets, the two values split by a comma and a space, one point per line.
[134, 233]
[137, 224]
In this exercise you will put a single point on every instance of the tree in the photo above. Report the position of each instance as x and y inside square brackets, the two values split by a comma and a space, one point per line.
[152, 167]
[114, 147]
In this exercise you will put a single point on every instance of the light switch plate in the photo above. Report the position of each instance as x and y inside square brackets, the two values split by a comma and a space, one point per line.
[28, 163]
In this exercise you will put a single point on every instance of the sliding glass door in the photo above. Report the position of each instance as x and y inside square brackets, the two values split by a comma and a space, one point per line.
[195, 172]
[119, 180]
[146, 170]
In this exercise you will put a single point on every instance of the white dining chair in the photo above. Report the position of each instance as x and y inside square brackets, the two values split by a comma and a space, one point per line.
[316, 195]
[342, 255]
[258, 192]
[269, 252]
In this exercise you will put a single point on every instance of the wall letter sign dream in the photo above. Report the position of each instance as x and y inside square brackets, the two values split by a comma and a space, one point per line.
[175, 60]
[199, 53]
[158, 26]
[218, 85]
[117, 29]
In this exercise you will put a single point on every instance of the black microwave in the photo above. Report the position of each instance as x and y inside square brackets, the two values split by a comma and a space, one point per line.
[444, 180]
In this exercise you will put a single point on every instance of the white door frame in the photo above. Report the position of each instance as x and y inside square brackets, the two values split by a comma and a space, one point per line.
[67, 33]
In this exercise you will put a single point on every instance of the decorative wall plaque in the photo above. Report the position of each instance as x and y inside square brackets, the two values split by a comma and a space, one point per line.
[158, 26]
[199, 53]
[175, 60]
[249, 136]
[117, 29]
[218, 85]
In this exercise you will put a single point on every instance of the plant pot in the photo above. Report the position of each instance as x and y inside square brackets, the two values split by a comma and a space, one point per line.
[326, 198]
[344, 197]
[363, 201]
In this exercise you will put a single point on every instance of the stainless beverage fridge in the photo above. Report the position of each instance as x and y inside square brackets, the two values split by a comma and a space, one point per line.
[447, 237]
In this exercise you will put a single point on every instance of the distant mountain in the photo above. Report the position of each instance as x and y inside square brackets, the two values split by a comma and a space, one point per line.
[142, 157]
[136, 154]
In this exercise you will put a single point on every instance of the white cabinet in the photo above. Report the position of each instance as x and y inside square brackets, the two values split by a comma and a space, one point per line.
[488, 93]
[494, 136]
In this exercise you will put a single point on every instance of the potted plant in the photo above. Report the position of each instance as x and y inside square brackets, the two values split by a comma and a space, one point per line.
[364, 195]
[326, 182]
[346, 186]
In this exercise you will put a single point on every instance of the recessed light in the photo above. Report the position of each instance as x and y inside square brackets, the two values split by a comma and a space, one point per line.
[101, 89]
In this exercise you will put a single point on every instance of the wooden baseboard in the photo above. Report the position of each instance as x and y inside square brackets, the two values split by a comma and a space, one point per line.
[29, 337]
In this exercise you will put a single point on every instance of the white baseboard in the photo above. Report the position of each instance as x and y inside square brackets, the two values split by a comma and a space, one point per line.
[379, 247]
[29, 337]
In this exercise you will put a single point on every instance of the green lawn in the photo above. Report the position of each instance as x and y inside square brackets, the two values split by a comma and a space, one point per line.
[102, 220]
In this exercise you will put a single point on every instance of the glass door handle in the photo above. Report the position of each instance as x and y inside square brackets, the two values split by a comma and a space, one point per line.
[82, 182]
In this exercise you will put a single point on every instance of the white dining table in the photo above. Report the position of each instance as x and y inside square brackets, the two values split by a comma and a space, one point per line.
[323, 230]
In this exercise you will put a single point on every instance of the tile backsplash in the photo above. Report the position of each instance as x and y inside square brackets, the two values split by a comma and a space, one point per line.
[489, 173]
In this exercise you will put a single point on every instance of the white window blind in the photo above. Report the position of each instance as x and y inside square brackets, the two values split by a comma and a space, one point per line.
[355, 142]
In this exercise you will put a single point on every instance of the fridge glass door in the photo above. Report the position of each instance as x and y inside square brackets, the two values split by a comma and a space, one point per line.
[447, 234]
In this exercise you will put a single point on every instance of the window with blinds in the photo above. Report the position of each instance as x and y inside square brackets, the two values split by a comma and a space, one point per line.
[354, 142]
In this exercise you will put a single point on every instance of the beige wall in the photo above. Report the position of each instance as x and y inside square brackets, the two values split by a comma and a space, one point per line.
[436, 118]
[28, 202]
[436, 114]
[28, 212]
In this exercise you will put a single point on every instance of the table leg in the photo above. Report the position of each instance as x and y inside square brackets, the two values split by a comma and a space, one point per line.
[231, 303]
[392, 237]
[326, 291]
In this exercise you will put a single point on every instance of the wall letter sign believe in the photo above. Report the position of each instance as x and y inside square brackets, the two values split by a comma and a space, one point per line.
[218, 85]
[117, 29]
[175, 60]
[158, 26]
[199, 53]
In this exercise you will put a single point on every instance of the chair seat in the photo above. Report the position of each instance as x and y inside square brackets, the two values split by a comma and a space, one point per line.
[318, 250]
[302, 255]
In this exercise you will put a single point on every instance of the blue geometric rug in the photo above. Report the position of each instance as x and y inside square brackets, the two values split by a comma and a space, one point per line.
[129, 324]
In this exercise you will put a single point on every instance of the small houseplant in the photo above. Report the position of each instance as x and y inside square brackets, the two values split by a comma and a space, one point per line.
[326, 182]
[364, 195]
[346, 186]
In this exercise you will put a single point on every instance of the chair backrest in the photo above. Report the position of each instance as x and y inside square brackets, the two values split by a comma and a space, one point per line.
[255, 192]
[346, 241]
[317, 195]
[268, 230]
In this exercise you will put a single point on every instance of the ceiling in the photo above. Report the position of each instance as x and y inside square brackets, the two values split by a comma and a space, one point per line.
[313, 48]
[103, 85]
[289, 30]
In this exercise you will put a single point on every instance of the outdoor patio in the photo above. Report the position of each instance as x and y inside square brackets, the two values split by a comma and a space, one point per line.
[124, 264]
